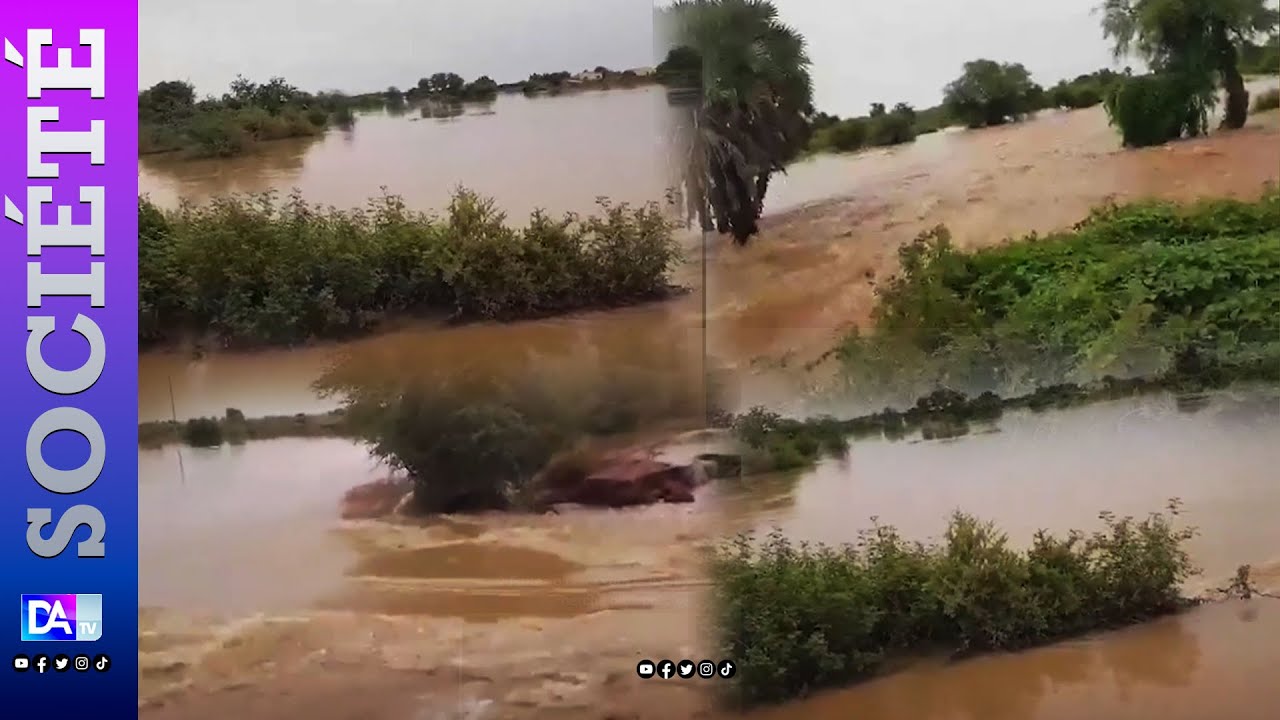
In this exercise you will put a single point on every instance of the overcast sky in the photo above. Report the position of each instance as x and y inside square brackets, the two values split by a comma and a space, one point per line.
[364, 45]
[907, 50]
[863, 52]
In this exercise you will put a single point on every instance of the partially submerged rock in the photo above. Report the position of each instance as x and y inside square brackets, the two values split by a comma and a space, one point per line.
[376, 499]
[619, 479]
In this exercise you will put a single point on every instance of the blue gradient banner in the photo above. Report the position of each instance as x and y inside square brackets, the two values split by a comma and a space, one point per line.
[69, 374]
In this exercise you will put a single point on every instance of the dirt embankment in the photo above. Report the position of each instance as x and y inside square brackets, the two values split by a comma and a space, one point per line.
[811, 274]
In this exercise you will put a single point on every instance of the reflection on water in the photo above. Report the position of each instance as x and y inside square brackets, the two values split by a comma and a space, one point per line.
[1056, 471]
[1208, 663]
[250, 528]
[557, 153]
[662, 336]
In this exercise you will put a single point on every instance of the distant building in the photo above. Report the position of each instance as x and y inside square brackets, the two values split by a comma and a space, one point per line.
[643, 71]
[588, 76]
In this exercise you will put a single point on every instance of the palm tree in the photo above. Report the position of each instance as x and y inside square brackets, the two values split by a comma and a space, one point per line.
[749, 115]
[1191, 37]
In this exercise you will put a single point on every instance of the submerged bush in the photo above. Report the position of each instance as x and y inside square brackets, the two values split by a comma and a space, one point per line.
[202, 432]
[1154, 109]
[1141, 289]
[474, 438]
[250, 270]
[801, 617]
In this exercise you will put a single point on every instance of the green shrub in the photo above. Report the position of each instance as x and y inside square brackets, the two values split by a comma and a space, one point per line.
[990, 93]
[217, 134]
[1132, 290]
[799, 618]
[250, 269]
[1269, 100]
[202, 432]
[1154, 109]
[476, 441]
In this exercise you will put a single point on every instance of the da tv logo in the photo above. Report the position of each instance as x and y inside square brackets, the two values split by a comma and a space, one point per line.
[75, 618]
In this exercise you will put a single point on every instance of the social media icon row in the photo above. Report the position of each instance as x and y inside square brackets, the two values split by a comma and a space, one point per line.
[686, 669]
[61, 663]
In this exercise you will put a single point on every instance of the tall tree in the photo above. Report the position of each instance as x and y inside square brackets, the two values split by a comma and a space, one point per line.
[749, 115]
[1190, 37]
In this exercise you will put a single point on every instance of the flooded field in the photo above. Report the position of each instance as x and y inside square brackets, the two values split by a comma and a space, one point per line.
[1057, 471]
[260, 603]
[811, 274]
[509, 150]
[251, 584]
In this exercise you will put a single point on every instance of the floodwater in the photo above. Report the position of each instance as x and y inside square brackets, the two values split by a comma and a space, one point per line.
[557, 153]
[1056, 471]
[251, 586]
[835, 225]
[259, 602]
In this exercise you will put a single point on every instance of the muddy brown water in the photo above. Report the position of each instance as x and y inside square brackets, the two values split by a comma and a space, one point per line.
[837, 222]
[259, 602]
[1056, 471]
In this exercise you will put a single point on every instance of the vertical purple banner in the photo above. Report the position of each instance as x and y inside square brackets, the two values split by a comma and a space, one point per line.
[69, 373]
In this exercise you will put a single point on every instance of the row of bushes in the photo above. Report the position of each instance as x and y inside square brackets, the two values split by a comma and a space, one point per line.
[251, 270]
[879, 128]
[798, 618]
[1134, 290]
[170, 118]
[988, 93]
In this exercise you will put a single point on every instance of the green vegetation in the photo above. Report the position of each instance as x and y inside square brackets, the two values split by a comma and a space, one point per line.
[772, 442]
[234, 428]
[251, 270]
[1154, 109]
[1144, 289]
[171, 119]
[1082, 92]
[991, 93]
[477, 441]
[878, 128]
[798, 618]
[1261, 58]
[751, 116]
[450, 87]
[1195, 42]
[1269, 100]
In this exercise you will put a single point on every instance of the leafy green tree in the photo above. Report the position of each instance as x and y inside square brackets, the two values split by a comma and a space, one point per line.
[1198, 38]
[446, 84]
[482, 88]
[166, 101]
[752, 114]
[990, 93]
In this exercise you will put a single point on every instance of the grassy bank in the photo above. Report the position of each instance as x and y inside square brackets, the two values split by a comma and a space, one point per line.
[1142, 290]
[251, 270]
[799, 618]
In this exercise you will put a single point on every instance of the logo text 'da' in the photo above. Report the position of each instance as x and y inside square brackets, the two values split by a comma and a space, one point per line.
[68, 618]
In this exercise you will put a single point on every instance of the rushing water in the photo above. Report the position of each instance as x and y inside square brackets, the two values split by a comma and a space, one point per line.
[1056, 471]
[254, 529]
[810, 275]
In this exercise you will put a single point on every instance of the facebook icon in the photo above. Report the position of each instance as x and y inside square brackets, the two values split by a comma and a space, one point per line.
[61, 617]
